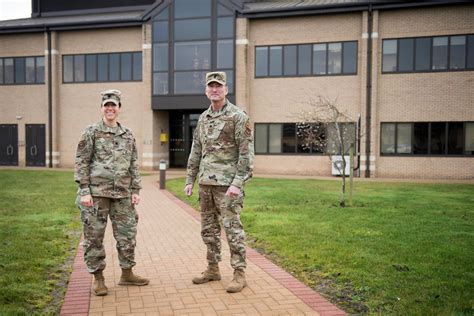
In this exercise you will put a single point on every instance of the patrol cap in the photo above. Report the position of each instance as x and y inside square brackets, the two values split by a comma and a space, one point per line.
[216, 76]
[111, 95]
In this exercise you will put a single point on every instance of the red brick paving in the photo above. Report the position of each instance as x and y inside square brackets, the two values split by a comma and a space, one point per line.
[170, 252]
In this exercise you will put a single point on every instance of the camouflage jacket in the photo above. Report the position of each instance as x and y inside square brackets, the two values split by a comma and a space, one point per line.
[107, 162]
[222, 151]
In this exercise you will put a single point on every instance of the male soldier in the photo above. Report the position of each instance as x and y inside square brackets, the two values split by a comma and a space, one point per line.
[221, 155]
[109, 184]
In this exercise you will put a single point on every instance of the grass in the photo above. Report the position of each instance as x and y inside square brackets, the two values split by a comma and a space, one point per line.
[39, 233]
[402, 248]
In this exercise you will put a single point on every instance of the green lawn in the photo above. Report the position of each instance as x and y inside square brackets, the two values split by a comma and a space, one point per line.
[403, 248]
[39, 234]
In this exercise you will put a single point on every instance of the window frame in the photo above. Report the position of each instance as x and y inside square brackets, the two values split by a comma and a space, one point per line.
[74, 81]
[311, 60]
[430, 68]
[25, 82]
[313, 151]
[412, 137]
[214, 38]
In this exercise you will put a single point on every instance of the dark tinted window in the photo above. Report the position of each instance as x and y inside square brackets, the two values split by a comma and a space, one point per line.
[350, 58]
[160, 57]
[289, 137]
[160, 31]
[114, 67]
[79, 68]
[91, 68]
[470, 51]
[423, 53]
[289, 60]
[40, 69]
[440, 53]
[103, 67]
[455, 138]
[457, 53]
[160, 83]
[319, 59]
[30, 70]
[191, 82]
[192, 8]
[334, 58]
[68, 68]
[192, 55]
[261, 61]
[20, 70]
[405, 56]
[438, 138]
[225, 54]
[137, 66]
[261, 138]
[389, 59]
[1, 70]
[304, 59]
[225, 27]
[8, 68]
[126, 66]
[194, 29]
[276, 60]
[387, 138]
[420, 138]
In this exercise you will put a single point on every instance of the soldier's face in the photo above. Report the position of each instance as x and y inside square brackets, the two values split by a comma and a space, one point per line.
[110, 111]
[216, 92]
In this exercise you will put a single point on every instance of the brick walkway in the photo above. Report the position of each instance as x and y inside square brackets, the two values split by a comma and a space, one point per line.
[170, 252]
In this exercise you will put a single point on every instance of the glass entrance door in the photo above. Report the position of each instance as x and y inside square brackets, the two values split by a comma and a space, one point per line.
[182, 126]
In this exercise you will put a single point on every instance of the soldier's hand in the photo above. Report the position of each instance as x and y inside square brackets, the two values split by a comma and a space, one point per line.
[233, 191]
[188, 189]
[86, 200]
[135, 199]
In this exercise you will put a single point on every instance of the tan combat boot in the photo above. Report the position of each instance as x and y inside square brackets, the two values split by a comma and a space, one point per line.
[211, 274]
[128, 278]
[99, 287]
[238, 282]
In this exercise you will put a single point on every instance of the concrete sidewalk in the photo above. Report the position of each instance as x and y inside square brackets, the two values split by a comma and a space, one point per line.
[170, 252]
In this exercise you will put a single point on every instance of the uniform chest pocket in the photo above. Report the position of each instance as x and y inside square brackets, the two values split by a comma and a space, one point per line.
[214, 130]
[124, 146]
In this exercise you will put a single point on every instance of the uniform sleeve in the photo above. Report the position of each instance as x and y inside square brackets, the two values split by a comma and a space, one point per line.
[83, 160]
[134, 171]
[194, 157]
[244, 140]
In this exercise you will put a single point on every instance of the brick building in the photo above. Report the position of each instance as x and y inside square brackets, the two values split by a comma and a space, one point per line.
[406, 68]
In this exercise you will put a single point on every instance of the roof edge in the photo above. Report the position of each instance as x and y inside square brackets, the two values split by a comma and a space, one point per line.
[343, 7]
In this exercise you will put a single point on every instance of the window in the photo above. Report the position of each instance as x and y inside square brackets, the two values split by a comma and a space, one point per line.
[275, 60]
[300, 138]
[306, 59]
[101, 67]
[261, 62]
[22, 70]
[190, 38]
[427, 138]
[438, 53]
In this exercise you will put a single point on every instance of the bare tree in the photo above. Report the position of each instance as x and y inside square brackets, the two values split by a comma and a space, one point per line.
[326, 128]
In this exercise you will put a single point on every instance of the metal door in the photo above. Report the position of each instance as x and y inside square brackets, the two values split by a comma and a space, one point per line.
[35, 145]
[8, 145]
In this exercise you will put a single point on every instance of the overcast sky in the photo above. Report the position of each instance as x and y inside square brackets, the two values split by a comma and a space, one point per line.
[15, 9]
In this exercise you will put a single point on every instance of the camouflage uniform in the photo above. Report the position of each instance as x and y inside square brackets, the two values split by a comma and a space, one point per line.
[107, 168]
[222, 155]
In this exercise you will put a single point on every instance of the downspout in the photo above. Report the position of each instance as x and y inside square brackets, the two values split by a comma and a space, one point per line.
[50, 101]
[368, 108]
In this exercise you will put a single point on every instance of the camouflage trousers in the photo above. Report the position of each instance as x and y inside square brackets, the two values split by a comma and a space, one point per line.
[216, 210]
[124, 224]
